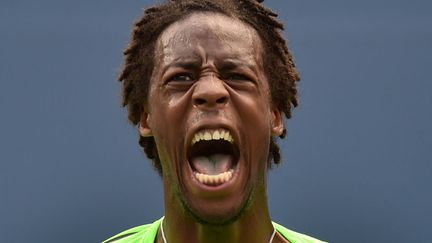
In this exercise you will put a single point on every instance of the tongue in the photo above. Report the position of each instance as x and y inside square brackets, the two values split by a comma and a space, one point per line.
[213, 164]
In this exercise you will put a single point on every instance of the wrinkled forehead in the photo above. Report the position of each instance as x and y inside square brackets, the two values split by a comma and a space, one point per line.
[210, 27]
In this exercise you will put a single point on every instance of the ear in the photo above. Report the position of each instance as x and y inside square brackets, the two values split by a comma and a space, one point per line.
[144, 125]
[277, 124]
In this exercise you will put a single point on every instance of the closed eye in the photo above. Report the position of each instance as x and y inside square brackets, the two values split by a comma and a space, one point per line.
[238, 77]
[182, 77]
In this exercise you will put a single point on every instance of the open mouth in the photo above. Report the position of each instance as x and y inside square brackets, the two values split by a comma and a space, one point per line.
[213, 156]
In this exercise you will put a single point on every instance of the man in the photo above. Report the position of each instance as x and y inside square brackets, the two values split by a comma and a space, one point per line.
[208, 83]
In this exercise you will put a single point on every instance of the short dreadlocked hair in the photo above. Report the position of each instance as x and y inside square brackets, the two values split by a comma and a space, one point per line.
[279, 66]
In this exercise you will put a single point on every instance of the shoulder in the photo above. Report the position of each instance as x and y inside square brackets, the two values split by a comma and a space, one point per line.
[295, 237]
[147, 233]
[144, 233]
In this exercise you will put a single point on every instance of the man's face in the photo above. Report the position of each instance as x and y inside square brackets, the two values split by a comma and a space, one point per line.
[210, 114]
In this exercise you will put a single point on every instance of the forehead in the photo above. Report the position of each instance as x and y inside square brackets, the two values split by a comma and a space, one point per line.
[214, 32]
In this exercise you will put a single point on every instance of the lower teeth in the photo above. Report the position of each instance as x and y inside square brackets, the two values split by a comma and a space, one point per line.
[214, 179]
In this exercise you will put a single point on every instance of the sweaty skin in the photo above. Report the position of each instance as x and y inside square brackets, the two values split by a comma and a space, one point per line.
[209, 75]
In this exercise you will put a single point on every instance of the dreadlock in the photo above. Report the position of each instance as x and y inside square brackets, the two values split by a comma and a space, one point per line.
[139, 58]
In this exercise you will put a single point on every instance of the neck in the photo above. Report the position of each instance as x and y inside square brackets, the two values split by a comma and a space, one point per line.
[253, 226]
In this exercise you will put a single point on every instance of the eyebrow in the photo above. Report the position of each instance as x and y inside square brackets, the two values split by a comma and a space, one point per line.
[231, 64]
[224, 65]
[186, 63]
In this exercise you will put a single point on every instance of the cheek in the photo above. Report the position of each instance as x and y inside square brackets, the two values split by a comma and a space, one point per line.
[254, 111]
[168, 123]
[168, 110]
[255, 119]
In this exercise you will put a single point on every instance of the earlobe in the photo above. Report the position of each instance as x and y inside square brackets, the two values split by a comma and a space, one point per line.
[277, 123]
[144, 125]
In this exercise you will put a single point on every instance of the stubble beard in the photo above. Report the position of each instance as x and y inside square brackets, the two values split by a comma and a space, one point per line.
[196, 215]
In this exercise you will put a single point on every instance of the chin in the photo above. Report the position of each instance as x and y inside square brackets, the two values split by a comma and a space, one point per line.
[217, 215]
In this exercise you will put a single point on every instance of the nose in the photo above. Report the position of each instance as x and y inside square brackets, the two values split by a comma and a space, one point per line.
[210, 92]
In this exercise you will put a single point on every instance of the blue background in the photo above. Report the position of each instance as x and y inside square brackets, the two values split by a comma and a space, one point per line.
[357, 161]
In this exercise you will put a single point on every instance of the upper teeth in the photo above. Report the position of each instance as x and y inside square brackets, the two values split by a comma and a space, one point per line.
[212, 135]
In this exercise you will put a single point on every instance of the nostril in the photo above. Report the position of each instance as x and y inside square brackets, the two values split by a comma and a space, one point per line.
[221, 100]
[199, 101]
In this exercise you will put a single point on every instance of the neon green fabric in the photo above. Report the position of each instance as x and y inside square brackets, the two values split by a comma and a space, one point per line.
[147, 234]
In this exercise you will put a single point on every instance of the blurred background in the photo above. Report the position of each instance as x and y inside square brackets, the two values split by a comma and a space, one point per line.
[357, 161]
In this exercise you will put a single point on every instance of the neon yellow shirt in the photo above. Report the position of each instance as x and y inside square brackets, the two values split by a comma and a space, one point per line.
[147, 234]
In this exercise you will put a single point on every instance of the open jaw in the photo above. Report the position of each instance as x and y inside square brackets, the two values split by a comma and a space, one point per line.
[213, 156]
